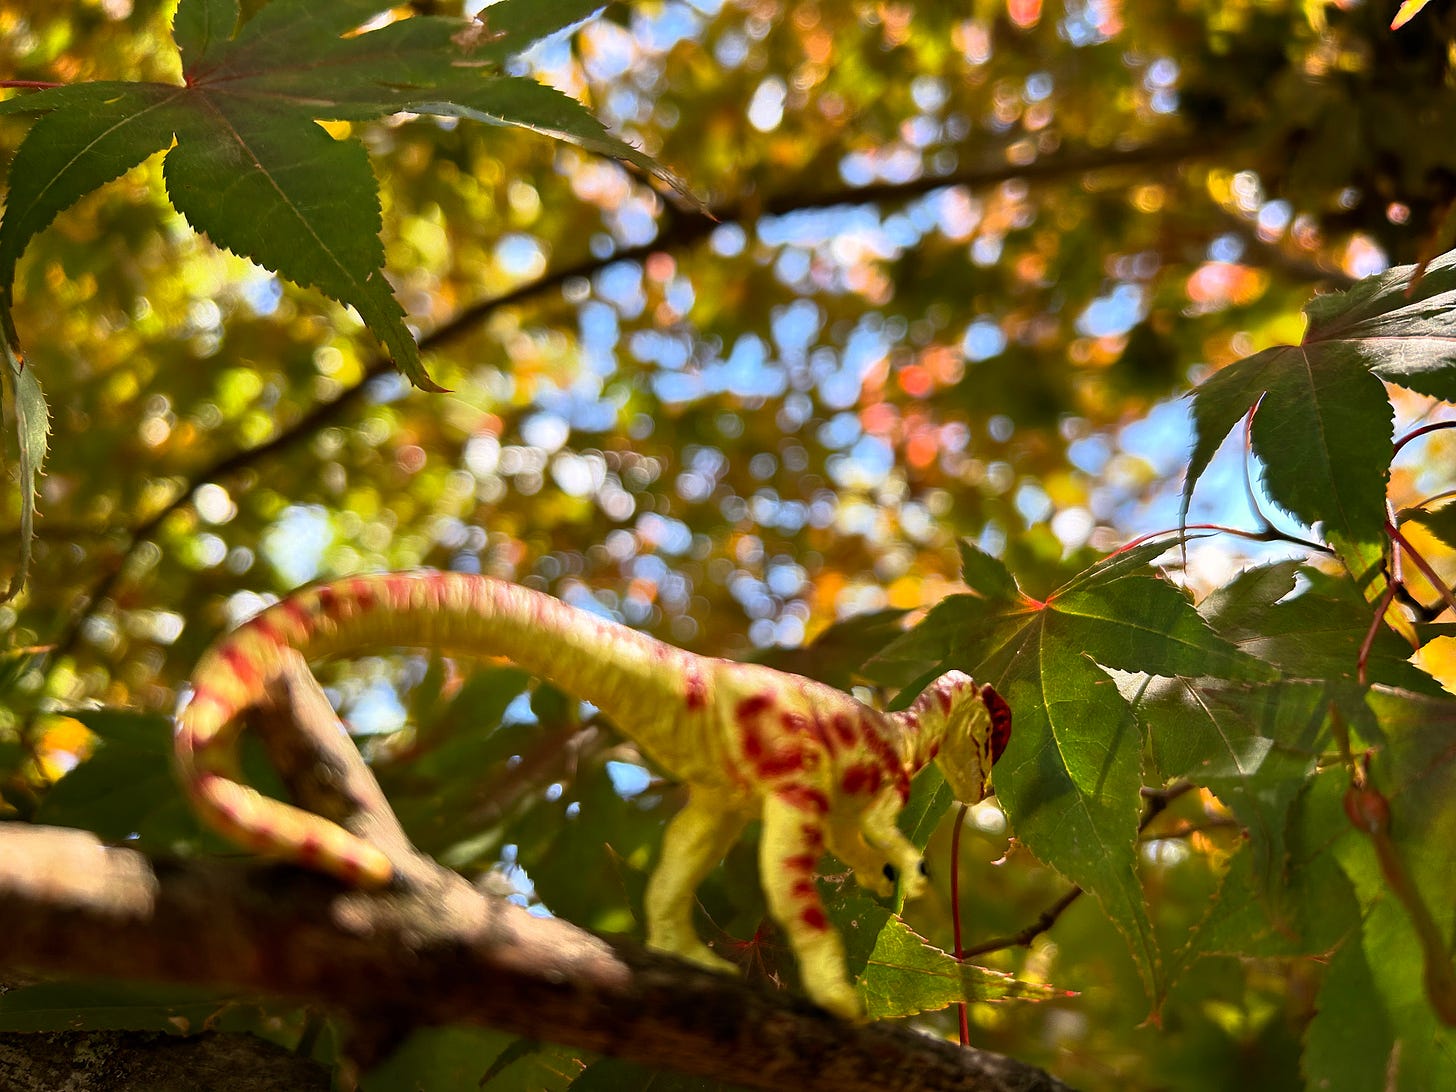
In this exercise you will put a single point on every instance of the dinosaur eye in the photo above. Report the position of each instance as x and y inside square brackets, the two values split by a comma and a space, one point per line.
[890, 873]
[1000, 721]
[923, 870]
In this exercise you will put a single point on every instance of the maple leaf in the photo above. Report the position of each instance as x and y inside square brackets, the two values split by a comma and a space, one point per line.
[1071, 774]
[1408, 11]
[247, 162]
[902, 974]
[249, 166]
[1321, 419]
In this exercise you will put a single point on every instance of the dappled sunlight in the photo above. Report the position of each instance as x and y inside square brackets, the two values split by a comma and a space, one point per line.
[960, 267]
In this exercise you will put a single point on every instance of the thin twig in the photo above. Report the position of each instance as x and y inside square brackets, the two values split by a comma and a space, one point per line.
[1419, 561]
[1363, 660]
[1158, 801]
[1269, 534]
[1434, 426]
[955, 911]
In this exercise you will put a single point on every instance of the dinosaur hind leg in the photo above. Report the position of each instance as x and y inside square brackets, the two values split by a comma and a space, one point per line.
[696, 840]
[792, 840]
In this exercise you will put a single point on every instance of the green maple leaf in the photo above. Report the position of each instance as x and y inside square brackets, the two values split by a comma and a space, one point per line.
[249, 165]
[900, 973]
[1321, 911]
[1347, 1046]
[1322, 433]
[1322, 429]
[1071, 774]
[1310, 625]
[1254, 747]
[987, 576]
[1375, 1024]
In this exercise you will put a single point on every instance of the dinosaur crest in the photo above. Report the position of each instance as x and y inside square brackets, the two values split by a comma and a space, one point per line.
[976, 728]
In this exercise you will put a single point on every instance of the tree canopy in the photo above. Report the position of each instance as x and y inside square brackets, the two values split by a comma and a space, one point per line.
[868, 340]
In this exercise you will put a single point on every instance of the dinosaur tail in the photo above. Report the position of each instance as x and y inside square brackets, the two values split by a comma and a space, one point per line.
[609, 665]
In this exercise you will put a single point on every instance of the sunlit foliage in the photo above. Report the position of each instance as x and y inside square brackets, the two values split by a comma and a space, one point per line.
[964, 260]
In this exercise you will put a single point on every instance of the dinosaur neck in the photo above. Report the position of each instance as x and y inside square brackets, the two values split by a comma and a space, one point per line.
[918, 736]
[615, 668]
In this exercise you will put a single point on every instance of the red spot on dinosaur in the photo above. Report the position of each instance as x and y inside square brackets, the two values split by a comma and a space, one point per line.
[241, 663]
[347, 868]
[813, 918]
[697, 692]
[751, 742]
[751, 707]
[800, 862]
[398, 586]
[804, 798]
[1000, 720]
[362, 589]
[882, 750]
[263, 626]
[819, 729]
[863, 778]
[299, 616]
[776, 764]
[844, 729]
[308, 849]
[794, 723]
[813, 838]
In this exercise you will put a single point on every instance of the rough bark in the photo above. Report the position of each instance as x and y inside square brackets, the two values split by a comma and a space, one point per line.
[124, 1061]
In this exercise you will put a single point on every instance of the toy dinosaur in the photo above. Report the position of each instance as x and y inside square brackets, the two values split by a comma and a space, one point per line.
[820, 769]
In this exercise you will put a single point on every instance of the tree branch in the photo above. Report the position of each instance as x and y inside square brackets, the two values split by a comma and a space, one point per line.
[74, 907]
[680, 230]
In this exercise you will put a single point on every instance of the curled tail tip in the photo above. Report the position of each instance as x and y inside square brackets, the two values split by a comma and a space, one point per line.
[287, 833]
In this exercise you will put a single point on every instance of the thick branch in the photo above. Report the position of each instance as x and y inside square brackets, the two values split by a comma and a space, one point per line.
[325, 773]
[74, 907]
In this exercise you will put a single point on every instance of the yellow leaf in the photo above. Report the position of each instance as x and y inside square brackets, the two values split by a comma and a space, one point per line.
[1407, 12]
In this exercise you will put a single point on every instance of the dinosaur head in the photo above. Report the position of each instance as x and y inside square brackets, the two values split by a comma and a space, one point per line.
[972, 723]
